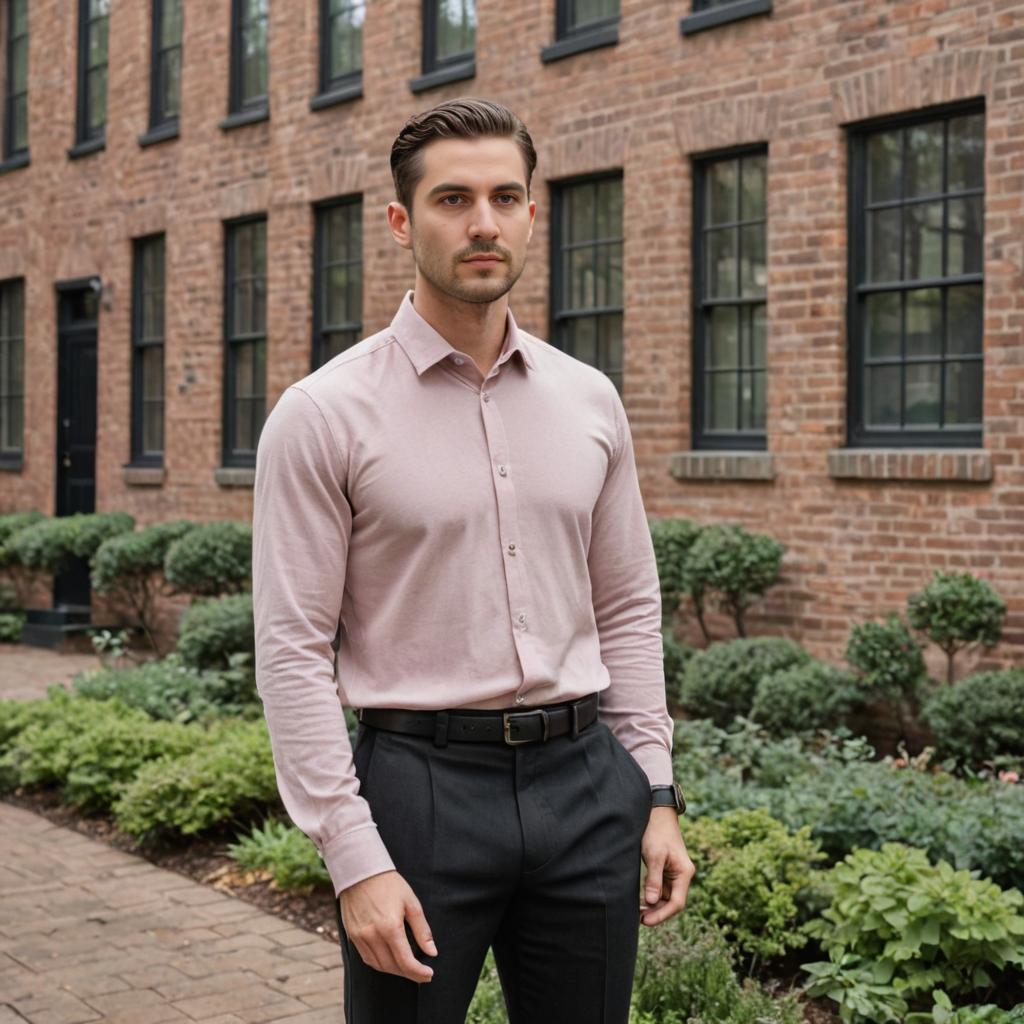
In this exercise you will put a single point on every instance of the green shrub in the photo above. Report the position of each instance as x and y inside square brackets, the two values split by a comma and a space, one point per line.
[676, 655]
[488, 1005]
[16, 575]
[672, 540]
[942, 1012]
[213, 630]
[915, 926]
[720, 682]
[734, 565]
[888, 657]
[18, 715]
[979, 719]
[170, 690]
[11, 624]
[50, 544]
[283, 850]
[211, 559]
[11, 523]
[755, 879]
[956, 610]
[228, 779]
[804, 698]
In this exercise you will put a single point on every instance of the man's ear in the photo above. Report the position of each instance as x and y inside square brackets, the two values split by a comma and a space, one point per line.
[533, 215]
[400, 224]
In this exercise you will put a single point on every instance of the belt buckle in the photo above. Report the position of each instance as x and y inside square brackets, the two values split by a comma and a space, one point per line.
[507, 717]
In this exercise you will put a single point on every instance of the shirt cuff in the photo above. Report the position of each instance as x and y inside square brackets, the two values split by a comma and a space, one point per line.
[356, 855]
[656, 762]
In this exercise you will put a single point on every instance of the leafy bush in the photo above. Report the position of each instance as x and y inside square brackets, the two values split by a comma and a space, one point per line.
[11, 624]
[756, 879]
[170, 690]
[979, 719]
[914, 926]
[735, 565]
[283, 850]
[676, 655]
[49, 544]
[804, 698]
[942, 1012]
[11, 568]
[488, 1005]
[888, 657]
[211, 559]
[229, 778]
[672, 540]
[720, 682]
[211, 631]
[956, 610]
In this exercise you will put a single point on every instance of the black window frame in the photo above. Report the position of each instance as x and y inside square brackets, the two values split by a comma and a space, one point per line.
[858, 434]
[707, 14]
[336, 88]
[11, 458]
[440, 71]
[13, 156]
[241, 112]
[320, 328]
[231, 454]
[161, 124]
[571, 38]
[704, 439]
[140, 343]
[87, 141]
[557, 316]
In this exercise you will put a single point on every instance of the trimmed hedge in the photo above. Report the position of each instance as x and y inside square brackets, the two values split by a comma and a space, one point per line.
[211, 559]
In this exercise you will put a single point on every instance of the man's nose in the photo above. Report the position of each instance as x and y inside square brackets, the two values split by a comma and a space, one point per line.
[483, 224]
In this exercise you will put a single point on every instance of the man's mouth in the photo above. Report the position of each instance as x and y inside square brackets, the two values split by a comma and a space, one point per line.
[488, 258]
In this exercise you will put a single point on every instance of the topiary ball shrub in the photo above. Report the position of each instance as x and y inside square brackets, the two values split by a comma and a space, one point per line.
[212, 631]
[672, 539]
[720, 682]
[888, 657]
[979, 719]
[138, 553]
[676, 655]
[804, 698]
[211, 559]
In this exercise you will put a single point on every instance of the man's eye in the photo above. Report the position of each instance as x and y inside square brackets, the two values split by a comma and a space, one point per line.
[457, 199]
[509, 196]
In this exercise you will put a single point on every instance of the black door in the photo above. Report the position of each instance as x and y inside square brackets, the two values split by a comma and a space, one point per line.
[77, 312]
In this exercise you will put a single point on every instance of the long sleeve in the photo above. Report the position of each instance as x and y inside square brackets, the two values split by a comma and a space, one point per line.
[302, 525]
[627, 607]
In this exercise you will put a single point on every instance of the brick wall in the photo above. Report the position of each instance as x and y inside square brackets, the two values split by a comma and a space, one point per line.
[857, 543]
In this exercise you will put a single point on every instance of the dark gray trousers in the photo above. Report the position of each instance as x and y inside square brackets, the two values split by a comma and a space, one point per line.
[532, 849]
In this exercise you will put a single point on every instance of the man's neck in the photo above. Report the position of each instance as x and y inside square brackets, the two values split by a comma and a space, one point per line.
[476, 328]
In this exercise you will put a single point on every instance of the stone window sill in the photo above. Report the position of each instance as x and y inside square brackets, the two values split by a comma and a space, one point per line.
[88, 147]
[605, 35]
[235, 476]
[11, 463]
[338, 94]
[443, 76]
[13, 163]
[966, 465]
[738, 11]
[160, 133]
[242, 117]
[143, 476]
[721, 465]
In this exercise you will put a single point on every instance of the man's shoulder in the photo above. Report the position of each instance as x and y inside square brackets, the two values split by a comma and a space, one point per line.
[348, 364]
[567, 369]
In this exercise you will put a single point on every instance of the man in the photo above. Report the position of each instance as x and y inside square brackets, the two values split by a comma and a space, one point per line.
[452, 506]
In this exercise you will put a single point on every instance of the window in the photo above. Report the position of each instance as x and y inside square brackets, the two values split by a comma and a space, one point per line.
[148, 286]
[93, 18]
[710, 13]
[586, 261]
[248, 92]
[338, 278]
[245, 369]
[15, 112]
[729, 288]
[583, 25]
[12, 371]
[165, 69]
[449, 43]
[915, 304]
[341, 47]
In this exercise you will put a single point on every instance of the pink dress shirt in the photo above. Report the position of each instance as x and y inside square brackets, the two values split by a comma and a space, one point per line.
[460, 542]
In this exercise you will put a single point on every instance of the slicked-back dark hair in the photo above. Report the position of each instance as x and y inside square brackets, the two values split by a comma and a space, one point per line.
[464, 118]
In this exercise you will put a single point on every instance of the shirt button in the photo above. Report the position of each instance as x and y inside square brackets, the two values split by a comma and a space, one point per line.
[485, 396]
[520, 698]
[511, 549]
[521, 617]
[459, 360]
[503, 471]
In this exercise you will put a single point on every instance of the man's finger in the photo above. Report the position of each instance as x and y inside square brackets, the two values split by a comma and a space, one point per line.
[407, 965]
[419, 927]
[652, 887]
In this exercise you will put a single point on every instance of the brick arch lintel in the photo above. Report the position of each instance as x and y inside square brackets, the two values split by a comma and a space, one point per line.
[340, 176]
[733, 121]
[599, 149]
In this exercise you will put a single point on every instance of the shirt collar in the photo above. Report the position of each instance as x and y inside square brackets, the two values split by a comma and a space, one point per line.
[425, 347]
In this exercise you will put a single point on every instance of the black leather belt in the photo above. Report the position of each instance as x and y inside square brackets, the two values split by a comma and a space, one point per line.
[511, 727]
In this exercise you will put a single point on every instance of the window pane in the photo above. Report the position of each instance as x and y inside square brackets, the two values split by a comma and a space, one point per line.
[336, 296]
[586, 11]
[19, 64]
[98, 42]
[924, 322]
[170, 23]
[884, 166]
[583, 334]
[721, 266]
[963, 392]
[152, 428]
[170, 83]
[152, 372]
[97, 94]
[756, 412]
[609, 209]
[884, 245]
[964, 320]
[966, 152]
[254, 76]
[456, 27]
[336, 223]
[722, 201]
[153, 264]
[581, 278]
[924, 159]
[753, 267]
[723, 406]
[965, 232]
[723, 337]
[883, 396]
[610, 329]
[923, 227]
[581, 213]
[882, 325]
[752, 198]
[756, 348]
[346, 43]
[20, 17]
[253, 10]
[923, 394]
[259, 305]
[99, 8]
[242, 312]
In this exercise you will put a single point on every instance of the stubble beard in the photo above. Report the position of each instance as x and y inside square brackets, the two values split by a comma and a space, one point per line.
[443, 273]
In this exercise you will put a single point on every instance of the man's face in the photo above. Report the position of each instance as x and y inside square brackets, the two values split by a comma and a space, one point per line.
[472, 219]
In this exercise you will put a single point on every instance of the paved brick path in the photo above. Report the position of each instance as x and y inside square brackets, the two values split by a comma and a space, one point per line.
[90, 934]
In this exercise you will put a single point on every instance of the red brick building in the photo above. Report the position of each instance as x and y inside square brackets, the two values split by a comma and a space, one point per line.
[791, 230]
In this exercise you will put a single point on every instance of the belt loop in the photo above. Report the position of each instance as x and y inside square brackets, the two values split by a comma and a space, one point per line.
[441, 729]
[574, 727]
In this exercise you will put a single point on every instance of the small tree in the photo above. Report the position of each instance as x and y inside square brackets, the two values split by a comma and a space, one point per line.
[672, 540]
[957, 610]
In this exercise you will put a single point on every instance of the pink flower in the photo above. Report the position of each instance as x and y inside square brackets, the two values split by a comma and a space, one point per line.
[1009, 776]
[899, 762]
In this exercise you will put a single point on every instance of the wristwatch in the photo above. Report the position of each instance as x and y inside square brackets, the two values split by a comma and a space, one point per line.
[668, 796]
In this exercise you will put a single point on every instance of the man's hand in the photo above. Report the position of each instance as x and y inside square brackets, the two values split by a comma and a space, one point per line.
[669, 868]
[374, 912]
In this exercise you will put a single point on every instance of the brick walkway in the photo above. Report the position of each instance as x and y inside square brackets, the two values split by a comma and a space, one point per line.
[89, 933]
